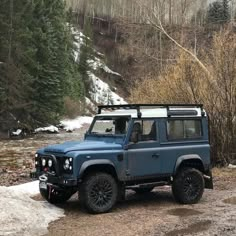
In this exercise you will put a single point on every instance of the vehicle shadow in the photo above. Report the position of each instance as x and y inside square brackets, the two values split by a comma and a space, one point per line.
[150, 201]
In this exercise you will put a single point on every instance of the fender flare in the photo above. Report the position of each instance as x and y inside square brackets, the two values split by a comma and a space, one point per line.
[184, 158]
[89, 163]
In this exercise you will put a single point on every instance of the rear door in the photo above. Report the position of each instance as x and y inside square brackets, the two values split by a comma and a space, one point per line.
[180, 137]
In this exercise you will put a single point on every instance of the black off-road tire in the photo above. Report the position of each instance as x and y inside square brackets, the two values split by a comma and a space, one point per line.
[188, 186]
[98, 192]
[56, 197]
[143, 190]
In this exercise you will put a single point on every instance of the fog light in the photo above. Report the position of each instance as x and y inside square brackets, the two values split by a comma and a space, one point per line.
[43, 162]
[50, 163]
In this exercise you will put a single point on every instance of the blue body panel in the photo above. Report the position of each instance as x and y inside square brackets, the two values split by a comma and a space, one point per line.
[146, 159]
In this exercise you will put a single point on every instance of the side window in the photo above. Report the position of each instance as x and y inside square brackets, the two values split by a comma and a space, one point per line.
[145, 129]
[184, 129]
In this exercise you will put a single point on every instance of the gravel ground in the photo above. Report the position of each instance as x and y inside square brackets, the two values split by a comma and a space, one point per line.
[157, 213]
[17, 156]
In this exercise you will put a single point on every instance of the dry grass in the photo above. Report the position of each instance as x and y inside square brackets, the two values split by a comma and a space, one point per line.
[186, 82]
[224, 172]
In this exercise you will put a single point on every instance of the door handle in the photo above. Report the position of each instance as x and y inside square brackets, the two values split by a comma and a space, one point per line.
[155, 155]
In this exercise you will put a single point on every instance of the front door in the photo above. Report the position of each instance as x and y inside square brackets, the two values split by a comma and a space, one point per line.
[143, 154]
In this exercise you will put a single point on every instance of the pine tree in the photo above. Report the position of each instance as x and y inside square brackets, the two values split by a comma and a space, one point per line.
[218, 12]
[14, 56]
[214, 14]
[54, 57]
[225, 11]
[86, 54]
[37, 67]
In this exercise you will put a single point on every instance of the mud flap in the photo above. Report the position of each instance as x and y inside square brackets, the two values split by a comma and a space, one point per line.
[208, 180]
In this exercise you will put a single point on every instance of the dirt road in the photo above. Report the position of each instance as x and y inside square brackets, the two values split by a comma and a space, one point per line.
[157, 214]
[151, 214]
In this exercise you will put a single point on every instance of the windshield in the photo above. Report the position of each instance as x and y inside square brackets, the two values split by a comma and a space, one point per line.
[110, 125]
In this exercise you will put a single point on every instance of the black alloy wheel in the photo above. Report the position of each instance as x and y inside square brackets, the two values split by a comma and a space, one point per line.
[188, 186]
[99, 192]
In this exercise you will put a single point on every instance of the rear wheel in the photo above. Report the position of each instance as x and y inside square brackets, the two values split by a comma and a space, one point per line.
[188, 186]
[143, 190]
[55, 196]
[99, 192]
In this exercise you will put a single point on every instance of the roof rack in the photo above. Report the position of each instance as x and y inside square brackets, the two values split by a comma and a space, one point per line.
[138, 107]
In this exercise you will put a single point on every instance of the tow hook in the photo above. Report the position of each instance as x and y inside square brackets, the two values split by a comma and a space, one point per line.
[43, 178]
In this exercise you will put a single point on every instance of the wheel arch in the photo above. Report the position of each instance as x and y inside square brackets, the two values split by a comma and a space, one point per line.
[191, 160]
[101, 165]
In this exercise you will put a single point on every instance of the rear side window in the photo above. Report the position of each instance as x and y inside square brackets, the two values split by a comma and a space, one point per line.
[184, 129]
[146, 129]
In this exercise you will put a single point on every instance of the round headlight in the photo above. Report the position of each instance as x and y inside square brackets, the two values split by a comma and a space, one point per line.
[50, 163]
[43, 162]
[67, 164]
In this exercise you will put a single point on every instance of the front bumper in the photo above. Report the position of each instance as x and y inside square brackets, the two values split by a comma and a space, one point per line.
[61, 181]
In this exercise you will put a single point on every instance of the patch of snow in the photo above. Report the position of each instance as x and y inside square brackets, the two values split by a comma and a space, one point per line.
[102, 94]
[17, 132]
[50, 129]
[21, 215]
[97, 63]
[32, 188]
[70, 125]
[90, 104]
[79, 40]
[230, 166]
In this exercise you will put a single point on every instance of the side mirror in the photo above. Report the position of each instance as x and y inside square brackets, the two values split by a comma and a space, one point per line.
[108, 130]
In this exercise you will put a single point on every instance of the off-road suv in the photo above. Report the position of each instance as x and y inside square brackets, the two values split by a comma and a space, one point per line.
[134, 147]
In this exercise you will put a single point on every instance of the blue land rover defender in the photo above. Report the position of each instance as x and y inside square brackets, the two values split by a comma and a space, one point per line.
[136, 147]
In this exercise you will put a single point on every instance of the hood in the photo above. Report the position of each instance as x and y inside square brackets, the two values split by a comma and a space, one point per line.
[81, 146]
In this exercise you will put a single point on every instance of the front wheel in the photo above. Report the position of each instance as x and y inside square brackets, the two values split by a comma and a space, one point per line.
[55, 196]
[188, 186]
[99, 192]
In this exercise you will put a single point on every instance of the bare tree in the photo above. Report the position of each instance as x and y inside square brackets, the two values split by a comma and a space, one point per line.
[153, 18]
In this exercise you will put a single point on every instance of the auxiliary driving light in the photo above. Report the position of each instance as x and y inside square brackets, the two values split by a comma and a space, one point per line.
[66, 164]
[50, 163]
[43, 162]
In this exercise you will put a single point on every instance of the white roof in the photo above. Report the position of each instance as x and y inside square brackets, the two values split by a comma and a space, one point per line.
[151, 113]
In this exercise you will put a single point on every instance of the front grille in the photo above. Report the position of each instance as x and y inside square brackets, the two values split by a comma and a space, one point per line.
[56, 168]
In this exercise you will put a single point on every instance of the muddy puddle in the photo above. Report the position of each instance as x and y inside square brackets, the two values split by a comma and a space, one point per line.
[231, 200]
[191, 229]
[183, 212]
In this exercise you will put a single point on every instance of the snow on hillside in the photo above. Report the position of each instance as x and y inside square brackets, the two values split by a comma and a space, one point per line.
[98, 64]
[21, 215]
[101, 92]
